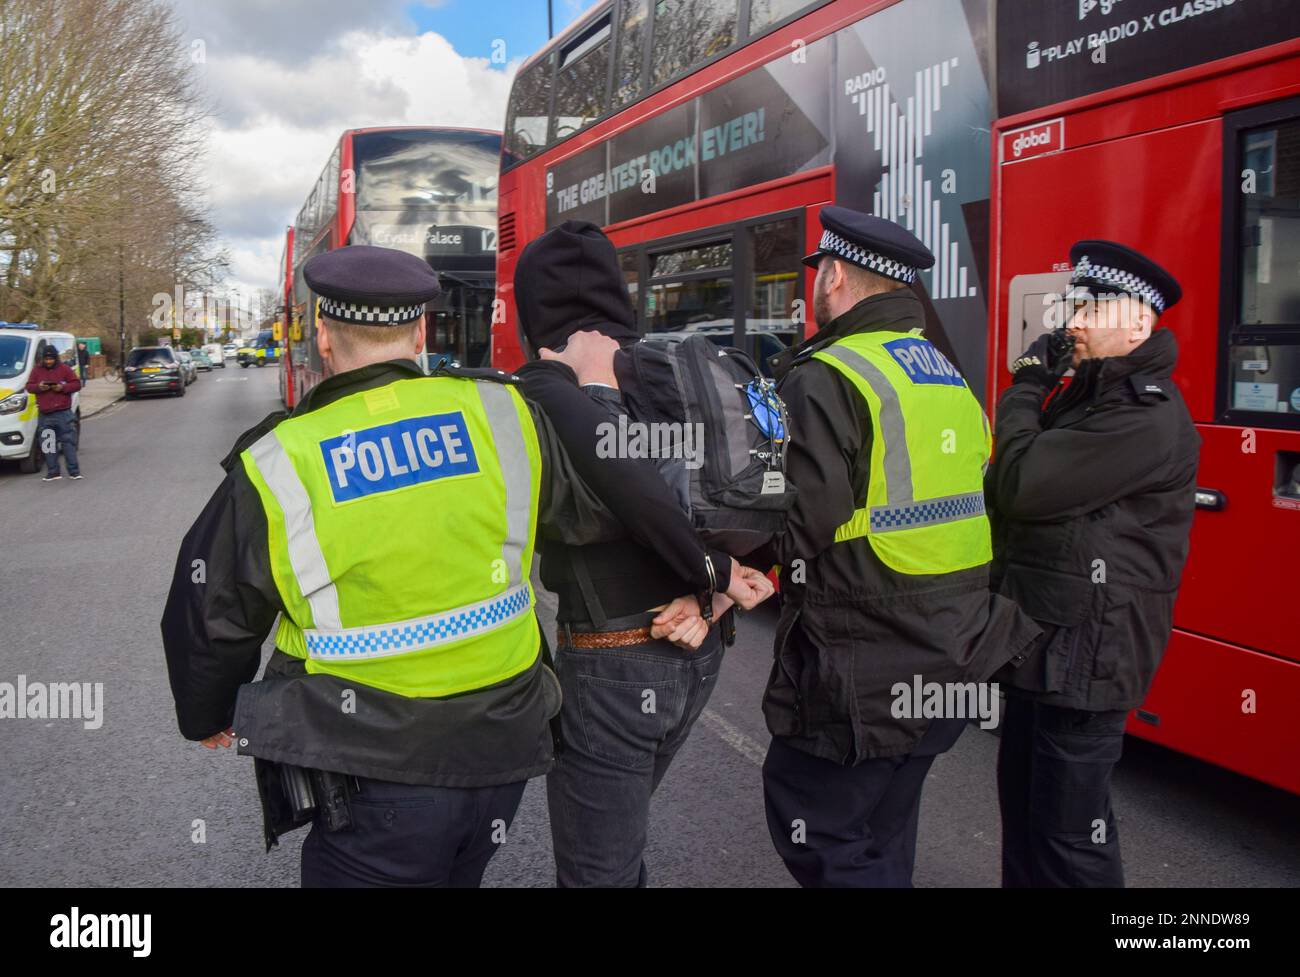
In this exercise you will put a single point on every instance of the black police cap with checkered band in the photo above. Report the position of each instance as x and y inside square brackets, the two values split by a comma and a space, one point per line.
[371, 286]
[1107, 267]
[872, 243]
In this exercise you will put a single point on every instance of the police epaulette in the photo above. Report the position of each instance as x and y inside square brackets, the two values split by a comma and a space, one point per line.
[476, 373]
[251, 436]
[1145, 386]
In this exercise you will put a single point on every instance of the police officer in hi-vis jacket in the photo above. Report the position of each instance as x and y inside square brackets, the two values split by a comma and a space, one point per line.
[389, 523]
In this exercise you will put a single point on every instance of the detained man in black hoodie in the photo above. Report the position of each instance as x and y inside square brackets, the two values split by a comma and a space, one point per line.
[631, 694]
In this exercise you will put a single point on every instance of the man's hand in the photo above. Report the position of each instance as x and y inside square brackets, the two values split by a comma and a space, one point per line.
[749, 587]
[681, 623]
[218, 739]
[1041, 362]
[590, 355]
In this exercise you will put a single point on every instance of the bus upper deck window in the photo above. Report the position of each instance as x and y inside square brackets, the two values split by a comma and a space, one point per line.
[529, 110]
[582, 77]
[632, 16]
[764, 13]
[689, 32]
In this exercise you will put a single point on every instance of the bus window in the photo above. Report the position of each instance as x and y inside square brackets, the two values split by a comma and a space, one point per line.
[690, 291]
[582, 80]
[632, 16]
[775, 259]
[764, 13]
[688, 32]
[627, 261]
[529, 111]
[1264, 354]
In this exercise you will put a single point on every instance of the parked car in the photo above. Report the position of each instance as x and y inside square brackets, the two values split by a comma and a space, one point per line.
[201, 360]
[187, 366]
[22, 344]
[154, 369]
[231, 350]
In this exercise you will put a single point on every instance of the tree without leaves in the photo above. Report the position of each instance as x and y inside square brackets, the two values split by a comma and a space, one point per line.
[100, 149]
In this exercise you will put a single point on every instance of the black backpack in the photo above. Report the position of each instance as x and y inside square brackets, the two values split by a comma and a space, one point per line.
[717, 431]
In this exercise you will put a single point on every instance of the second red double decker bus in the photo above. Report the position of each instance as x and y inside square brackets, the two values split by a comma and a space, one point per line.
[427, 190]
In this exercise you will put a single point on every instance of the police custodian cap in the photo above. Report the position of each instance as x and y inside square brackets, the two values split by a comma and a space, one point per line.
[1106, 267]
[371, 286]
[872, 243]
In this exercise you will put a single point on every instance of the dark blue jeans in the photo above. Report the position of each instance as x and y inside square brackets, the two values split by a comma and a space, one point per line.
[64, 437]
[626, 713]
[412, 836]
[1054, 770]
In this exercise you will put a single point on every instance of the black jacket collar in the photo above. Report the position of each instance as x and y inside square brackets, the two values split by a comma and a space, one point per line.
[896, 311]
[1154, 360]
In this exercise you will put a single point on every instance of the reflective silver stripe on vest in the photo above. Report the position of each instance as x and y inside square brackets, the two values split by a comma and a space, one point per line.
[898, 464]
[417, 634]
[516, 474]
[931, 512]
[305, 554]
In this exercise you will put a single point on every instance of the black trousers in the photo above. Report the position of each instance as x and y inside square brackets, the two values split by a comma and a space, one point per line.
[1054, 771]
[836, 826]
[412, 836]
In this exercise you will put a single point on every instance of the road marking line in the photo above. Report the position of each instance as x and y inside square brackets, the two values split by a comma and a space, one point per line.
[733, 736]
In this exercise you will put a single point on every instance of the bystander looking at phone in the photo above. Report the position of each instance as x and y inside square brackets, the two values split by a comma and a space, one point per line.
[54, 382]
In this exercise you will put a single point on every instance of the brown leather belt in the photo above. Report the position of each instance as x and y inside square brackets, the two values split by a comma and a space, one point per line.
[603, 639]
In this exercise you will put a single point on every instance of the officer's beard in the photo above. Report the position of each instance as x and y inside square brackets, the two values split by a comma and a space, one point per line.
[821, 303]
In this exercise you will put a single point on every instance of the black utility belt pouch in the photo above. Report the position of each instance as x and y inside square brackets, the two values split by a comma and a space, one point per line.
[293, 796]
[319, 792]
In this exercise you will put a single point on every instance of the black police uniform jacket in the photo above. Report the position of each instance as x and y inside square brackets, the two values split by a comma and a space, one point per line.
[214, 626]
[851, 628]
[1092, 498]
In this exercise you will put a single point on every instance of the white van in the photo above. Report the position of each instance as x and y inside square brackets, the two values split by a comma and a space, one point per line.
[216, 354]
[22, 344]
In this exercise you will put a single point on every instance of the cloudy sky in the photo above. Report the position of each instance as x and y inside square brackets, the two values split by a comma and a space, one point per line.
[286, 77]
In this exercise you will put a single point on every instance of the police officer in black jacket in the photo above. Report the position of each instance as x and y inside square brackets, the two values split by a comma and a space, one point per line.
[409, 790]
[1092, 492]
[844, 773]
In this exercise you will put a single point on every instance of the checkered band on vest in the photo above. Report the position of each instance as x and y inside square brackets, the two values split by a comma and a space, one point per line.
[910, 515]
[372, 315]
[832, 243]
[1085, 273]
[353, 644]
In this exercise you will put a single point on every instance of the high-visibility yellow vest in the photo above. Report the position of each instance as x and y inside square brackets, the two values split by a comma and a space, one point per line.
[924, 511]
[401, 524]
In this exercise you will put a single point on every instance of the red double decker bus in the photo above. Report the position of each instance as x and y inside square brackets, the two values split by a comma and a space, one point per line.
[705, 136]
[427, 190]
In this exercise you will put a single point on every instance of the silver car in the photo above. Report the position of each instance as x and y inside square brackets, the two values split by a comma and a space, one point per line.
[188, 369]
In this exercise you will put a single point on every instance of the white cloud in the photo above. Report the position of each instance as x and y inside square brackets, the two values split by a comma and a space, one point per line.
[277, 119]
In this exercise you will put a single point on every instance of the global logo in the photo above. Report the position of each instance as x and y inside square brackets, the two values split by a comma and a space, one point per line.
[1028, 140]
[1046, 137]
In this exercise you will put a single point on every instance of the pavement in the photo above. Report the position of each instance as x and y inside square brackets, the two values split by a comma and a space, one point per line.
[131, 803]
[98, 394]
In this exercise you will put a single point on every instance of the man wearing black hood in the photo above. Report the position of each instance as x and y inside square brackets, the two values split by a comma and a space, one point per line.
[630, 695]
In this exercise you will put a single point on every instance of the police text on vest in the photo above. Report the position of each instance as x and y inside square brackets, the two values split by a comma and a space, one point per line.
[398, 455]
